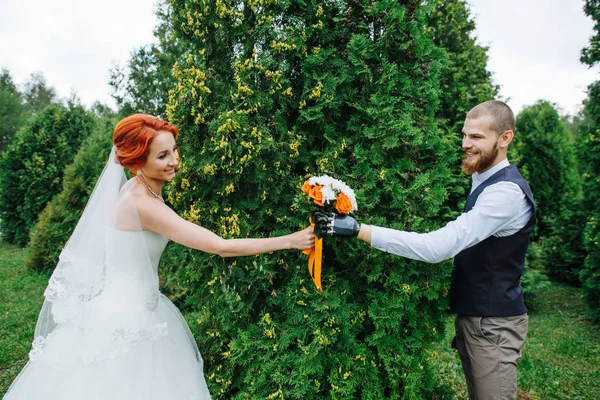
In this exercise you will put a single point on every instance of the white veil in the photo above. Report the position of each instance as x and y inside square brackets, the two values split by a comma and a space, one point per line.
[80, 274]
[104, 328]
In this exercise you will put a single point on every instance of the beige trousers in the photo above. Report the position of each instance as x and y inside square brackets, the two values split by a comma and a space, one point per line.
[489, 348]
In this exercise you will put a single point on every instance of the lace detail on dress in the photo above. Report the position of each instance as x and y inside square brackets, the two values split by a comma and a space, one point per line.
[37, 347]
[56, 289]
[80, 287]
[130, 338]
[99, 346]
[135, 337]
[70, 287]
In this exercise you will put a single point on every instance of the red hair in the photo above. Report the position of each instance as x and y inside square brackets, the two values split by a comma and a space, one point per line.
[133, 136]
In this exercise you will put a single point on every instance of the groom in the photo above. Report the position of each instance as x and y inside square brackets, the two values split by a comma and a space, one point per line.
[488, 242]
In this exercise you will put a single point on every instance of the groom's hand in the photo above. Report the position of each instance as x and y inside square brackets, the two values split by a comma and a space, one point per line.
[336, 225]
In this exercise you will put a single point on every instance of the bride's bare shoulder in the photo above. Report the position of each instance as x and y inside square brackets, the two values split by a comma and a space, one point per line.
[138, 194]
[134, 204]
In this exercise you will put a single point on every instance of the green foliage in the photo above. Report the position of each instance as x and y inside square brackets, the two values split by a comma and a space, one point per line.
[464, 83]
[534, 256]
[590, 159]
[59, 217]
[559, 358]
[563, 248]
[102, 110]
[546, 158]
[32, 167]
[6, 82]
[21, 295]
[143, 86]
[464, 79]
[37, 94]
[270, 93]
[590, 274]
[589, 145]
[533, 282]
[591, 54]
[533, 279]
[13, 114]
[562, 351]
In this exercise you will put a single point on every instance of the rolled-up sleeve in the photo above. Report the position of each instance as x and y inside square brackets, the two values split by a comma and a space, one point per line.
[497, 208]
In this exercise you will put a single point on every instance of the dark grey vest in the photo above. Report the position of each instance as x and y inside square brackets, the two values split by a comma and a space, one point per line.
[486, 277]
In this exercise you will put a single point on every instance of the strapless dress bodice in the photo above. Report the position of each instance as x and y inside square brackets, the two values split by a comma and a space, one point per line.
[128, 251]
[132, 259]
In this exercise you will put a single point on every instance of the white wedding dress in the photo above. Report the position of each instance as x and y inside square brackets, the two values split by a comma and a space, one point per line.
[123, 341]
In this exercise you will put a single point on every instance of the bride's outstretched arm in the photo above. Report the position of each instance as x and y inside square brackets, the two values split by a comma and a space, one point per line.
[157, 217]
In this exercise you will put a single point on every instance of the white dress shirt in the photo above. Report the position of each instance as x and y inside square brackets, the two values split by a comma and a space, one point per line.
[501, 209]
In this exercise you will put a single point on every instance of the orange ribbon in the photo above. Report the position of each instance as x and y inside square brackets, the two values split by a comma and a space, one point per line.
[315, 254]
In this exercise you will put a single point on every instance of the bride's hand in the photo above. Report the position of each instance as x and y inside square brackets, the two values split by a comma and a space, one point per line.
[304, 239]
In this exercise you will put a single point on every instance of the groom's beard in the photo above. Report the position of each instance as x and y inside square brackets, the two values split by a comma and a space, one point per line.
[483, 162]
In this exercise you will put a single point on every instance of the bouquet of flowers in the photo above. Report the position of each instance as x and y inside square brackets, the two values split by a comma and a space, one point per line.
[332, 195]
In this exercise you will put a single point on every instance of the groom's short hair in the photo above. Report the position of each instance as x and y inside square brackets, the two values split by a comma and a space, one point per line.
[502, 115]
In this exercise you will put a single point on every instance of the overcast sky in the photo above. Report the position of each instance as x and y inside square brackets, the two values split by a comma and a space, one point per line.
[73, 43]
[534, 45]
[534, 49]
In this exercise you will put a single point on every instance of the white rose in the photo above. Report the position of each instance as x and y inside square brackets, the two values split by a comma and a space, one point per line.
[328, 194]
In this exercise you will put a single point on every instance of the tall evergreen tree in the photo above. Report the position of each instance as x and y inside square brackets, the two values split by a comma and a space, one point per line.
[12, 111]
[143, 86]
[269, 93]
[464, 82]
[590, 154]
[546, 156]
[590, 159]
[32, 167]
[59, 217]
[546, 159]
[37, 94]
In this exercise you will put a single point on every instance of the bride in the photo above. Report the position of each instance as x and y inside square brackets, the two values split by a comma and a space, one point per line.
[105, 331]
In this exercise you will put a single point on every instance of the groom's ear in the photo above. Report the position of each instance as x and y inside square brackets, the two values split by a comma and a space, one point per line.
[505, 138]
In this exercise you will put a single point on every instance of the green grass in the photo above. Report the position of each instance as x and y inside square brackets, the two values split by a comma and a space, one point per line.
[561, 356]
[562, 353]
[21, 297]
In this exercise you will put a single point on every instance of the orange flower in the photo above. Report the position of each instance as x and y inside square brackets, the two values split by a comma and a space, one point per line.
[343, 204]
[306, 187]
[316, 195]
